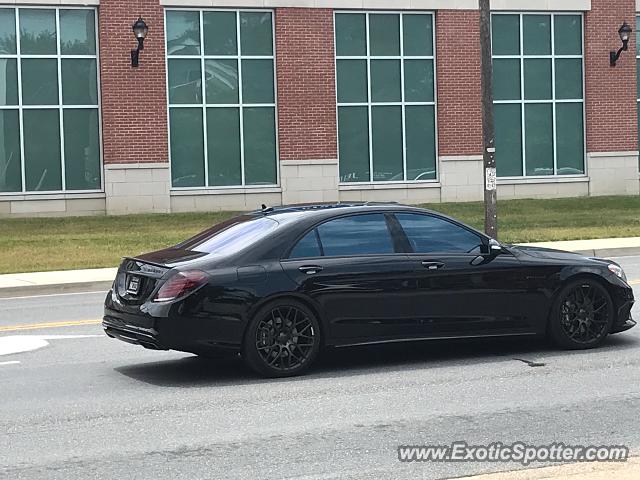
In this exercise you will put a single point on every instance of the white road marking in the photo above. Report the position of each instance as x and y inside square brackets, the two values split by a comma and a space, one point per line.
[13, 362]
[66, 337]
[27, 343]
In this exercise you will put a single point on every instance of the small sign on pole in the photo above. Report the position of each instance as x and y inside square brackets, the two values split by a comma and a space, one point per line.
[491, 179]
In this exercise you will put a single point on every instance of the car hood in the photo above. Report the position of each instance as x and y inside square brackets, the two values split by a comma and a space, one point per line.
[552, 254]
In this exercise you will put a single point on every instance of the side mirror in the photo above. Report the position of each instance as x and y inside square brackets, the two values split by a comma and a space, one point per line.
[493, 248]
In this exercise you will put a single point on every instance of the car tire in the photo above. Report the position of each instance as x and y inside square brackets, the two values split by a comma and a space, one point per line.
[282, 340]
[582, 315]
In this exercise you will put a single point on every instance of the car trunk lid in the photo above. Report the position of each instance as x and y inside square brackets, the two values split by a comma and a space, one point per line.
[138, 277]
[136, 280]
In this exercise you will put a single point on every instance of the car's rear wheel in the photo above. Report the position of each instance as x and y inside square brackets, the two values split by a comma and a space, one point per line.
[282, 340]
[582, 315]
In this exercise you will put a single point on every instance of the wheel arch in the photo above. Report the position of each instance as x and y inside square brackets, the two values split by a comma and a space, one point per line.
[586, 275]
[308, 303]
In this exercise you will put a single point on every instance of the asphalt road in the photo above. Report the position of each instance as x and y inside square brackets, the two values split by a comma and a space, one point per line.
[84, 406]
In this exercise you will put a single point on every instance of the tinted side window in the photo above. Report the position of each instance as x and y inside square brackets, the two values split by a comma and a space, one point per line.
[356, 235]
[428, 234]
[307, 247]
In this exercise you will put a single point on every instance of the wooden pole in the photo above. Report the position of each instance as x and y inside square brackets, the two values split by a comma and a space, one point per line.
[488, 126]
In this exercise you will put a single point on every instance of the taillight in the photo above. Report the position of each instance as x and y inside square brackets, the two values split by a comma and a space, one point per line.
[181, 284]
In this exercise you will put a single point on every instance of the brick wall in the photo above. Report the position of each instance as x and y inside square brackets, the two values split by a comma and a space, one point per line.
[134, 113]
[458, 77]
[306, 84]
[610, 92]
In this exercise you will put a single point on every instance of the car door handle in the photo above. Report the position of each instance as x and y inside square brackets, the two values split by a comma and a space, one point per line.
[310, 269]
[431, 265]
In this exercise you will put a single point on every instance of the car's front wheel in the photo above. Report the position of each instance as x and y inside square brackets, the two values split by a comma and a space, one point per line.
[582, 315]
[282, 340]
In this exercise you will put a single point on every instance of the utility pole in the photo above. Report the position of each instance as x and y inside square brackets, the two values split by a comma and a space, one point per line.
[488, 127]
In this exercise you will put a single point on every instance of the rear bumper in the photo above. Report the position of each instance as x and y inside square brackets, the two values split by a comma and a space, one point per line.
[170, 327]
[147, 338]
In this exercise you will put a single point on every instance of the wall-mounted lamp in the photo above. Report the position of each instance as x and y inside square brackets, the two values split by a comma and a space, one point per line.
[140, 30]
[625, 34]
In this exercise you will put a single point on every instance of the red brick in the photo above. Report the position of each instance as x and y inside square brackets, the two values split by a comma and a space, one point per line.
[134, 113]
[611, 102]
[458, 82]
[306, 84]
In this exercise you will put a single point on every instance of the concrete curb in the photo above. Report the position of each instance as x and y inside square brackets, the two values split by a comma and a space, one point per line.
[53, 289]
[610, 252]
[60, 282]
[608, 247]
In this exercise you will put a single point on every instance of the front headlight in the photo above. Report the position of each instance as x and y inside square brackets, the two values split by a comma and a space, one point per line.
[617, 270]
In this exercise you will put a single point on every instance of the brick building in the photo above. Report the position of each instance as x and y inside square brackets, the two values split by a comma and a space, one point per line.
[242, 102]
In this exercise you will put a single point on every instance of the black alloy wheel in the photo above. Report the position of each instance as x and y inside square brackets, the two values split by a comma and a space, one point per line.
[282, 340]
[582, 315]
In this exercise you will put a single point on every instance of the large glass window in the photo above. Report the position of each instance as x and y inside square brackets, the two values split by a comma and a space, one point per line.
[49, 113]
[386, 97]
[222, 102]
[538, 93]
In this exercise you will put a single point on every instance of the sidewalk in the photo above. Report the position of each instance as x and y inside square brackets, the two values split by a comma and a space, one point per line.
[42, 283]
[608, 247]
[629, 470]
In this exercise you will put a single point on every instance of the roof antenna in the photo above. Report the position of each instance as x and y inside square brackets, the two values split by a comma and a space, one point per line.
[264, 207]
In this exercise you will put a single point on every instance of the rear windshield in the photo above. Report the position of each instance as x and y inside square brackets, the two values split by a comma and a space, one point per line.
[231, 236]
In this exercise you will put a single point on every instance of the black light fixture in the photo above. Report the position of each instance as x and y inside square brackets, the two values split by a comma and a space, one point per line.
[140, 30]
[625, 34]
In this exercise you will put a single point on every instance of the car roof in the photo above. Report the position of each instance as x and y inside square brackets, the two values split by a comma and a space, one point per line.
[305, 215]
[325, 210]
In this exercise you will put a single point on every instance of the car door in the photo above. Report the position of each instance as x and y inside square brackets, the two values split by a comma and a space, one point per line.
[459, 288]
[354, 270]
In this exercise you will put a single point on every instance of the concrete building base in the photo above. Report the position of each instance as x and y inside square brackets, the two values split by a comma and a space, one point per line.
[509, 189]
[137, 188]
[462, 178]
[237, 200]
[613, 173]
[57, 205]
[309, 181]
[402, 193]
[145, 188]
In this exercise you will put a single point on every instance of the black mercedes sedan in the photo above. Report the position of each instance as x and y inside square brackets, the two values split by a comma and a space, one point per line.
[280, 284]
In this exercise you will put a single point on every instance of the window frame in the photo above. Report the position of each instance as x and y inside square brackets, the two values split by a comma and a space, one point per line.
[240, 105]
[403, 103]
[553, 101]
[409, 247]
[390, 222]
[60, 106]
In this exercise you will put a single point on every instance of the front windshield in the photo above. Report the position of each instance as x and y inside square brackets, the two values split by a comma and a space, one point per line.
[232, 236]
